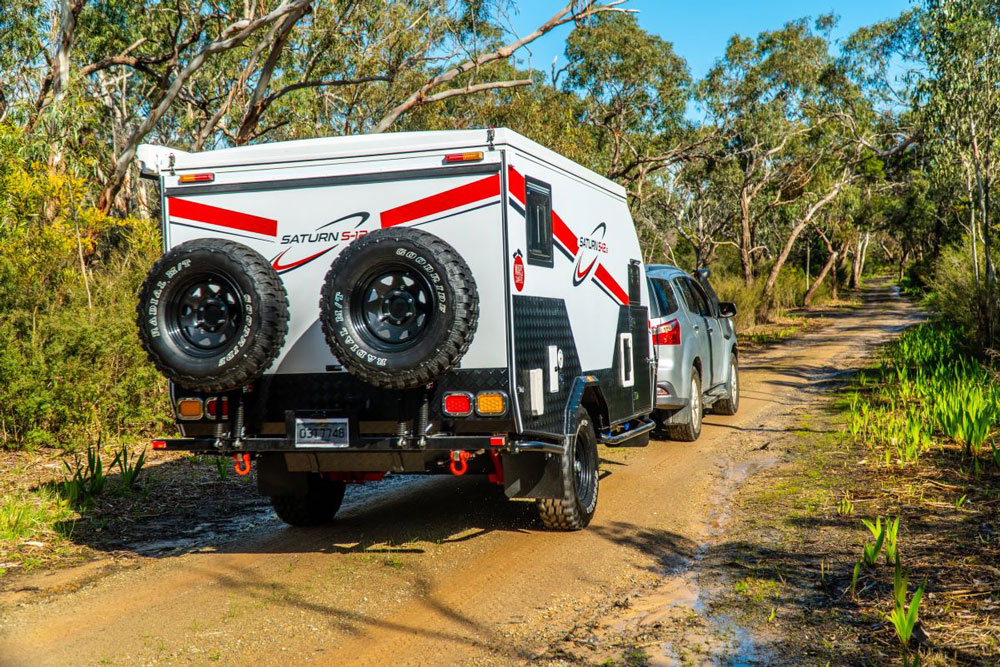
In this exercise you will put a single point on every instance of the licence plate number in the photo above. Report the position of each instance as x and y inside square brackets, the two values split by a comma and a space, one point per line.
[333, 432]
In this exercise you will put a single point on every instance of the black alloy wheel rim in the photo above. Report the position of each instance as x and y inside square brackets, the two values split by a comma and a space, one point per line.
[206, 315]
[584, 470]
[393, 307]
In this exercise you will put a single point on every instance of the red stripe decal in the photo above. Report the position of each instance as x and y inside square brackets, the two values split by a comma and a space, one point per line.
[278, 266]
[223, 217]
[515, 183]
[610, 283]
[443, 201]
[564, 234]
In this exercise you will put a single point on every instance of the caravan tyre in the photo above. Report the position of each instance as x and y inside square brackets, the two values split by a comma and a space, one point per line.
[399, 308]
[580, 473]
[212, 315]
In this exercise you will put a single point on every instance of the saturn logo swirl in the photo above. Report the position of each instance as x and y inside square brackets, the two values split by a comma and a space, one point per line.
[592, 247]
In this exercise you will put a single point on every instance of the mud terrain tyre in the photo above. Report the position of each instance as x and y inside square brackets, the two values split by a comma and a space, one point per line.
[730, 405]
[691, 429]
[212, 315]
[318, 506]
[399, 308]
[580, 481]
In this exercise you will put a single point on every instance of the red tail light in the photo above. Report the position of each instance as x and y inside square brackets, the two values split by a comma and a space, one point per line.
[212, 407]
[668, 333]
[458, 404]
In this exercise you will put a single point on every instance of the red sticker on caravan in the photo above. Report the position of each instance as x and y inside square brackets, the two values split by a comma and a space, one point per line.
[518, 271]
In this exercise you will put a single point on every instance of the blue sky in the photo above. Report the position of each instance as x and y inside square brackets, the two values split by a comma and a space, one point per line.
[700, 29]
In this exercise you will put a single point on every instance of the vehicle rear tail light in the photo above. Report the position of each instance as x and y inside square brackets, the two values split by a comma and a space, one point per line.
[668, 333]
[196, 178]
[491, 403]
[458, 404]
[472, 156]
[189, 408]
[159, 444]
[212, 407]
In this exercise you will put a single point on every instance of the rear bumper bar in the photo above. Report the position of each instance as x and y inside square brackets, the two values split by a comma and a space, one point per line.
[381, 444]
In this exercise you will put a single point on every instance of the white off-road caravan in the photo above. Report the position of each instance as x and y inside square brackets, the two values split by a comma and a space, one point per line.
[429, 302]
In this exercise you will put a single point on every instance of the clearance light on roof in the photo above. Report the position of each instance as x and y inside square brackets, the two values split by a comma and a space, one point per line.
[473, 156]
[196, 178]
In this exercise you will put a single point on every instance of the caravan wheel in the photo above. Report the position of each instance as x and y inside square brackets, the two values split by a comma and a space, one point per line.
[399, 308]
[580, 479]
[212, 315]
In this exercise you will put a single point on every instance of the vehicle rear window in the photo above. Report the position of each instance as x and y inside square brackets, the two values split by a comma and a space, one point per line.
[663, 295]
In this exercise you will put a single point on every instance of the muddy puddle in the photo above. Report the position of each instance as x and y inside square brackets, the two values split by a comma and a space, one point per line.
[684, 598]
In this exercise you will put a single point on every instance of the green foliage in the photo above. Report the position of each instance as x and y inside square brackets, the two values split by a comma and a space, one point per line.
[871, 550]
[891, 540]
[927, 387]
[845, 507]
[71, 369]
[31, 514]
[84, 484]
[904, 618]
[129, 467]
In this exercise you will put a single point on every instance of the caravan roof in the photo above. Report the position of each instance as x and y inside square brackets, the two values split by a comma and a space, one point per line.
[154, 158]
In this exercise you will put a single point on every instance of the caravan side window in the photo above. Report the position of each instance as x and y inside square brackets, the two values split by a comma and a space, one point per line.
[538, 217]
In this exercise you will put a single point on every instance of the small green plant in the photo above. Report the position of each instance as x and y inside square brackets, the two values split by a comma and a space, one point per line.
[870, 550]
[904, 618]
[845, 507]
[129, 467]
[854, 577]
[960, 501]
[891, 540]
[222, 466]
[85, 484]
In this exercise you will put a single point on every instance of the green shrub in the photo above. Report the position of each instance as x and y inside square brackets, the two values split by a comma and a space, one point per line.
[71, 368]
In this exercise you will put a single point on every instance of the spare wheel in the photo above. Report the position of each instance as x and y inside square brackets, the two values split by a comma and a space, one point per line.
[212, 315]
[399, 307]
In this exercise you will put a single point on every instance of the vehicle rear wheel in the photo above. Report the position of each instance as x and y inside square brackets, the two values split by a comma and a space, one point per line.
[399, 308]
[731, 403]
[318, 506]
[691, 429]
[579, 472]
[212, 315]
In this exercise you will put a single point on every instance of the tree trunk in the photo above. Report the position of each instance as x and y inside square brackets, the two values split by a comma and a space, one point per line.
[831, 260]
[772, 277]
[746, 260]
[856, 266]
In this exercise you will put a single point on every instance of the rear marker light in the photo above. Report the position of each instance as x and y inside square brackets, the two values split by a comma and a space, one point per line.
[668, 333]
[498, 440]
[458, 404]
[472, 156]
[189, 408]
[196, 178]
[491, 403]
[159, 444]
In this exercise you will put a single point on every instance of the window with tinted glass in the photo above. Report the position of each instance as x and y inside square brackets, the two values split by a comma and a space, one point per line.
[696, 299]
[538, 218]
[663, 295]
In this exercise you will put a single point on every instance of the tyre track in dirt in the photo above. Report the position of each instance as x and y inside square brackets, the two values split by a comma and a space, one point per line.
[441, 570]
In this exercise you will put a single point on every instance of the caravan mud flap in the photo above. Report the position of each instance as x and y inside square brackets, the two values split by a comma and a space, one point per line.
[532, 475]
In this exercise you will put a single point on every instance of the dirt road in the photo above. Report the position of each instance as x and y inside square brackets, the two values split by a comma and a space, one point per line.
[441, 570]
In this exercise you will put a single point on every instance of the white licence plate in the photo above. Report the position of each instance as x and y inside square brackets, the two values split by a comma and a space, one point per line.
[333, 432]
